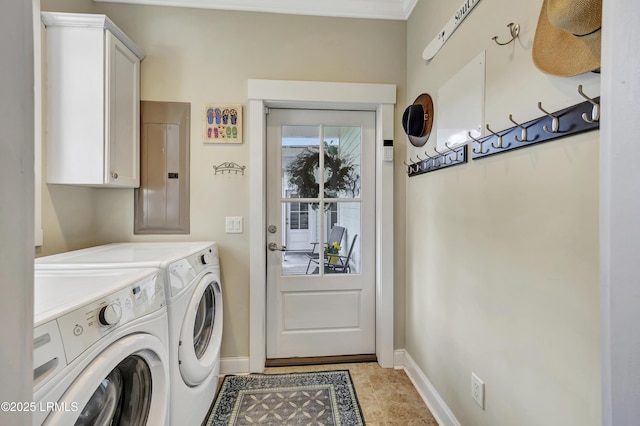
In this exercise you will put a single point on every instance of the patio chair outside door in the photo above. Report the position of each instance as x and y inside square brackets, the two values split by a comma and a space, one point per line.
[327, 160]
[318, 251]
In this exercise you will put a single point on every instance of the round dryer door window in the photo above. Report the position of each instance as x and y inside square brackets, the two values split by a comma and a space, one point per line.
[203, 327]
[124, 394]
[201, 333]
[125, 384]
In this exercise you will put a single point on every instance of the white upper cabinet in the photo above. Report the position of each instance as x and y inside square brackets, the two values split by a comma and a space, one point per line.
[93, 102]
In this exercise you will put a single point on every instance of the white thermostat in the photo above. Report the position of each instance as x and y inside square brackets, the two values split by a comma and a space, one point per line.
[388, 149]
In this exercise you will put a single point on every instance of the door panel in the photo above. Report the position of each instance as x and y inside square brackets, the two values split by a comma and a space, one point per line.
[320, 175]
[297, 305]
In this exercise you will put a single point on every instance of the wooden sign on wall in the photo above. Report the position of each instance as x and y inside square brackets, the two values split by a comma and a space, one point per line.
[461, 13]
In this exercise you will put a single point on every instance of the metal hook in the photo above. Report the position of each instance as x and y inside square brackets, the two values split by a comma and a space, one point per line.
[413, 163]
[524, 130]
[479, 142]
[555, 123]
[499, 140]
[443, 155]
[437, 159]
[435, 148]
[453, 150]
[595, 111]
[420, 163]
[514, 29]
[429, 161]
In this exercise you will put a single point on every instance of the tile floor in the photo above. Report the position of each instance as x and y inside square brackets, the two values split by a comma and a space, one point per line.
[387, 397]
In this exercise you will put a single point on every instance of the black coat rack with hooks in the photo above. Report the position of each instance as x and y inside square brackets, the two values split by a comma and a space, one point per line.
[572, 120]
[442, 160]
[575, 119]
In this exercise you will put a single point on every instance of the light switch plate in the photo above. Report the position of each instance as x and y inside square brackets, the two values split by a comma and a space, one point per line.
[233, 225]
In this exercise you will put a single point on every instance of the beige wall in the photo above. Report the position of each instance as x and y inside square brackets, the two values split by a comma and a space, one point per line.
[204, 56]
[502, 252]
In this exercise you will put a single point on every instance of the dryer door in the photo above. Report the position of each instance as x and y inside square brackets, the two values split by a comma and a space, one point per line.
[127, 384]
[201, 333]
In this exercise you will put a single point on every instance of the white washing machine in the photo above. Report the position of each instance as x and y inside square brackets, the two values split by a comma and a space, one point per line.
[191, 274]
[100, 348]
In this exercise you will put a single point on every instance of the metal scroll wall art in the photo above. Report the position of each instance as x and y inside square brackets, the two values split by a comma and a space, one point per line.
[575, 119]
[229, 167]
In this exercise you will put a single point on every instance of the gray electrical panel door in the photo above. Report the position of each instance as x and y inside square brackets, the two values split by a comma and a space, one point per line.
[162, 201]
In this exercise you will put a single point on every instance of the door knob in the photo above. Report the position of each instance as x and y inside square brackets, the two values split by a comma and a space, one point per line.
[274, 247]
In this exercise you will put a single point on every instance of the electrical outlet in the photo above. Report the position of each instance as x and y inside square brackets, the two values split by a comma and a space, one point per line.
[477, 390]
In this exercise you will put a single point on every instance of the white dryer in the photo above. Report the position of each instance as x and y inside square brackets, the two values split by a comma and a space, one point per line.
[100, 348]
[191, 274]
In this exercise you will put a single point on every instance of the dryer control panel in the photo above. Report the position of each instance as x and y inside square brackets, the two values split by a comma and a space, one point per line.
[83, 327]
[182, 272]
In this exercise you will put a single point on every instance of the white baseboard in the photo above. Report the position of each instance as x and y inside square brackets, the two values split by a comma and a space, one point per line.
[234, 365]
[398, 359]
[427, 391]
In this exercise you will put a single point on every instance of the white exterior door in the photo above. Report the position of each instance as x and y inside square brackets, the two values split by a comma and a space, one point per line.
[320, 301]
[297, 226]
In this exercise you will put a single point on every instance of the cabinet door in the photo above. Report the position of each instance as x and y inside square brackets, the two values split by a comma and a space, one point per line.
[122, 144]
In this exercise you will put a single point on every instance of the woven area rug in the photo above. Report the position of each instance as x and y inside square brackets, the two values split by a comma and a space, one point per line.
[317, 398]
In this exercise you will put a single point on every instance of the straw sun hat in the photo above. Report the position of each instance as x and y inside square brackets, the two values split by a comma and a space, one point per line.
[567, 40]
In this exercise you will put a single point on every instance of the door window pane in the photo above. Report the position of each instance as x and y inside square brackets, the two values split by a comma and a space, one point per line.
[300, 157]
[344, 256]
[342, 155]
[301, 237]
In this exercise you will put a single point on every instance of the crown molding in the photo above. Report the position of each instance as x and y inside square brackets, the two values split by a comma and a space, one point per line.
[89, 20]
[407, 7]
[367, 9]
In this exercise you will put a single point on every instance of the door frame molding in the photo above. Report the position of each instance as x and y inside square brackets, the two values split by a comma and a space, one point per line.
[380, 98]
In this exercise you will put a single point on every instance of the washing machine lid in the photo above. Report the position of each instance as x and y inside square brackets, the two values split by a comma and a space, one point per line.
[58, 292]
[144, 254]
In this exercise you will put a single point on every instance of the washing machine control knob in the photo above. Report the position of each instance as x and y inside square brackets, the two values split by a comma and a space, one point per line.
[205, 259]
[110, 314]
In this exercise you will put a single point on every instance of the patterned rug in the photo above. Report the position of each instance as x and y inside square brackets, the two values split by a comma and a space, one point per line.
[318, 398]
